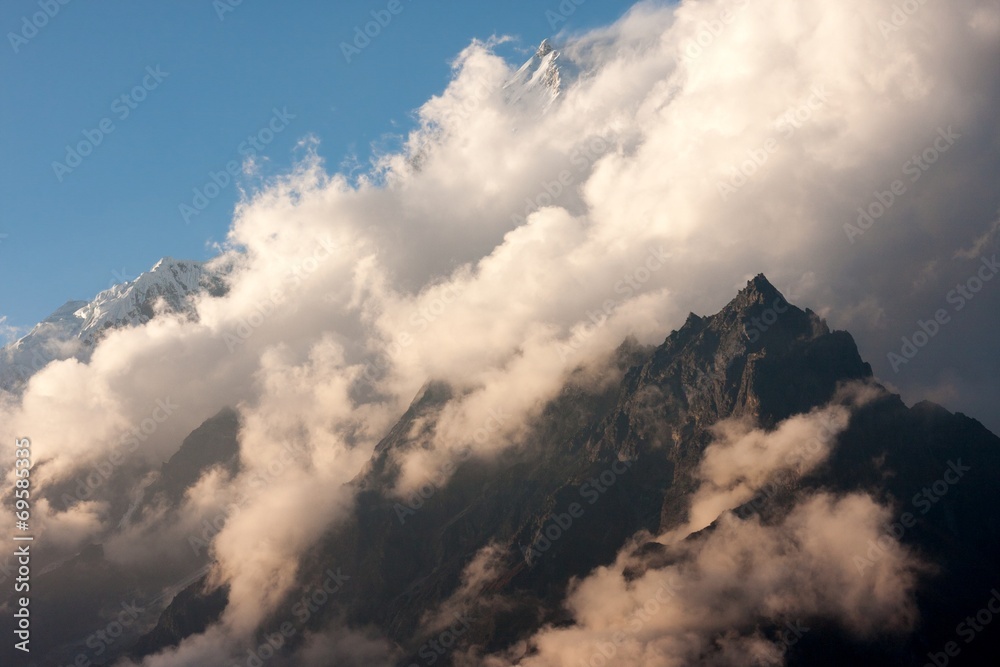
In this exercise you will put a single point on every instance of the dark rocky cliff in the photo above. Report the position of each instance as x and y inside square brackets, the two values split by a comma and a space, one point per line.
[625, 455]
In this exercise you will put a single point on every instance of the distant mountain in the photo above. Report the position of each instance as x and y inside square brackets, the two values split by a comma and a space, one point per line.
[539, 81]
[74, 329]
[760, 359]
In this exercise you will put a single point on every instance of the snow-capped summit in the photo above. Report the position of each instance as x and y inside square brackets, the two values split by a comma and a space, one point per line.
[131, 303]
[74, 328]
[538, 82]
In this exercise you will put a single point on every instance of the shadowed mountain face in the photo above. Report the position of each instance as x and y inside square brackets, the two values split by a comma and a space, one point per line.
[71, 632]
[610, 462]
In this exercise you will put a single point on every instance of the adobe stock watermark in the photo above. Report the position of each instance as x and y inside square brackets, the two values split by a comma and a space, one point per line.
[805, 452]
[429, 312]
[968, 629]
[630, 284]
[223, 7]
[790, 121]
[99, 642]
[558, 524]
[481, 91]
[768, 490]
[581, 159]
[40, 358]
[434, 649]
[606, 651]
[957, 298]
[312, 598]
[121, 108]
[416, 500]
[924, 500]
[915, 167]
[790, 634]
[101, 472]
[120, 277]
[128, 617]
[300, 270]
[256, 483]
[767, 319]
[20, 373]
[31, 25]
[561, 13]
[365, 33]
[217, 181]
[709, 31]
[900, 16]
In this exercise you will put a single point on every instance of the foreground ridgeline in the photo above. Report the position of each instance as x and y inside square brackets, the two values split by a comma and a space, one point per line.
[480, 559]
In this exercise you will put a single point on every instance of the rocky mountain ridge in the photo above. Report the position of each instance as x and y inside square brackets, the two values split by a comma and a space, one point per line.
[605, 465]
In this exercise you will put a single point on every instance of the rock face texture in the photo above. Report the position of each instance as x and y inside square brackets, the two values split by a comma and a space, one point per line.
[611, 463]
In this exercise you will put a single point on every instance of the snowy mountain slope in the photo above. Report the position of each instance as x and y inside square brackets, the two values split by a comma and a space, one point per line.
[73, 329]
[539, 81]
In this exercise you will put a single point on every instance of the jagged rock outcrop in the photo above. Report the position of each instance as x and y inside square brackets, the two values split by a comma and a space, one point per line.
[625, 455]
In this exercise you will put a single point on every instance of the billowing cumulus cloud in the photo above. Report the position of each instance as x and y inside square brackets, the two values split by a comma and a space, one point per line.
[742, 591]
[744, 460]
[848, 153]
[736, 595]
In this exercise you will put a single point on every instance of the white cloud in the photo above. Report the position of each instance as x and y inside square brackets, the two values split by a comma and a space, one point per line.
[345, 297]
[743, 459]
[725, 585]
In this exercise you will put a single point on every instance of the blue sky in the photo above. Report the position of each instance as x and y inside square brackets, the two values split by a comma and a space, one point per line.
[199, 78]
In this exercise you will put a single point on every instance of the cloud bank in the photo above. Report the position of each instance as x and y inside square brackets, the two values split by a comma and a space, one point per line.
[700, 144]
[740, 595]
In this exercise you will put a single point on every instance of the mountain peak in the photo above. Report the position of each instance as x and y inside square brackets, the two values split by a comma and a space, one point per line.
[131, 302]
[759, 285]
[538, 82]
[76, 326]
[165, 261]
[647, 434]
